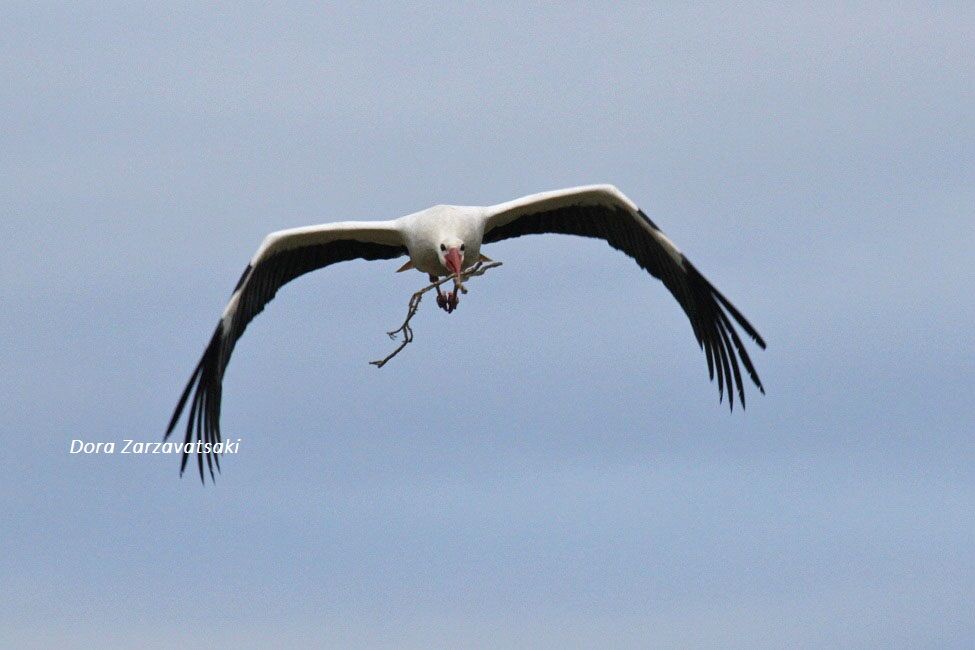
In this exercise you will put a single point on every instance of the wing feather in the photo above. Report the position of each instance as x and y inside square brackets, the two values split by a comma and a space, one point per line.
[282, 257]
[603, 212]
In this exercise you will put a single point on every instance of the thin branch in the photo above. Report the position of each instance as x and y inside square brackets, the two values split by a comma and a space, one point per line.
[478, 269]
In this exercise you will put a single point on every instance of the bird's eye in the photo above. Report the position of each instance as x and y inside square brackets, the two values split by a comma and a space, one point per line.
[462, 247]
[443, 247]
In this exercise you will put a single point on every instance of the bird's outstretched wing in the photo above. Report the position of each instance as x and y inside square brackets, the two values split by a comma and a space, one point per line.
[282, 257]
[602, 211]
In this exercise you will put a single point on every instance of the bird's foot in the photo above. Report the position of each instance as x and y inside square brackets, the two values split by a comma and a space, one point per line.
[447, 301]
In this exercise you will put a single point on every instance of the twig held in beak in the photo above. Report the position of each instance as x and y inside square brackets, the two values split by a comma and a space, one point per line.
[478, 269]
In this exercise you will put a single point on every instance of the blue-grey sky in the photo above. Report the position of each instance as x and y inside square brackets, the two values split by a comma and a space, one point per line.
[548, 466]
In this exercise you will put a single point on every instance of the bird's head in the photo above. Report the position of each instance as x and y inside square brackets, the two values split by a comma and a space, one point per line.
[451, 254]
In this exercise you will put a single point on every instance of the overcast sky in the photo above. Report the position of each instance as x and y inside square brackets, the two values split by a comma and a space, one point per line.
[549, 465]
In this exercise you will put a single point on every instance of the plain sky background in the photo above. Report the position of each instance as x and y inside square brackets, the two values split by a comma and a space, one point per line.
[548, 466]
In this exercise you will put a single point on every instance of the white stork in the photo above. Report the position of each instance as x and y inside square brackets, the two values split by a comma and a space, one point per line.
[445, 240]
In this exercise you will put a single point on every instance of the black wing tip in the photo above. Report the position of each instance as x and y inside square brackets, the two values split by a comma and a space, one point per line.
[203, 417]
[181, 404]
[718, 337]
[182, 470]
[739, 318]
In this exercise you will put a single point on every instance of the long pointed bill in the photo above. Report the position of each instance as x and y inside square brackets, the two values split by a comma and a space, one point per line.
[454, 261]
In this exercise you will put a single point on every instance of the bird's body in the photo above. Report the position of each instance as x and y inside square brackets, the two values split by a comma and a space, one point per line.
[422, 232]
[445, 240]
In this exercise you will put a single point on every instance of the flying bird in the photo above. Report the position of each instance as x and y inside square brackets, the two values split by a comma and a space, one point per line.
[444, 241]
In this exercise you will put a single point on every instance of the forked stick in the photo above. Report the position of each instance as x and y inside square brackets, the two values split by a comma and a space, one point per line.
[478, 269]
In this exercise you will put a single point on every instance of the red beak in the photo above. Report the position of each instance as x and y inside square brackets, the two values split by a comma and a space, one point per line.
[453, 260]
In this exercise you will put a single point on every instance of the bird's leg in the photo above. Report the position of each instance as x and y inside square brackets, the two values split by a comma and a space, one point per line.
[453, 298]
[441, 297]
